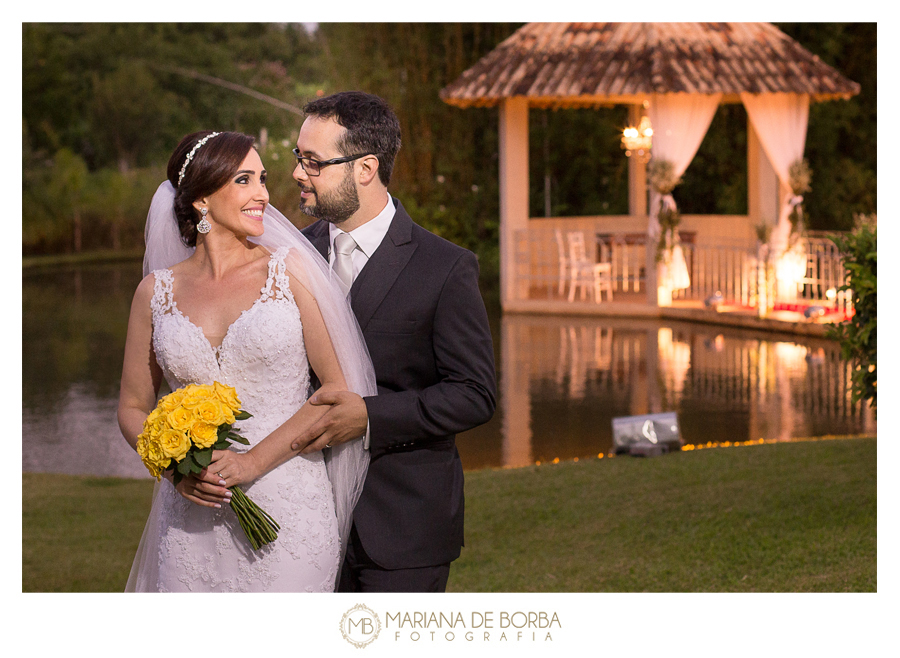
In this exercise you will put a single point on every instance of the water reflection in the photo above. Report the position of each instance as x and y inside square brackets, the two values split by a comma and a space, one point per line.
[74, 321]
[561, 380]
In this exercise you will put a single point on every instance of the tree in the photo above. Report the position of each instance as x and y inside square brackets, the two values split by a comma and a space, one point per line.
[841, 142]
[129, 111]
[66, 191]
[446, 173]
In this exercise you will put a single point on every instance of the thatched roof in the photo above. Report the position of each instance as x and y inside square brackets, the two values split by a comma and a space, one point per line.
[583, 64]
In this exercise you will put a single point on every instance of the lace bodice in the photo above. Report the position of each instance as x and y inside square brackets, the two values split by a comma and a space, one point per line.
[261, 355]
[264, 357]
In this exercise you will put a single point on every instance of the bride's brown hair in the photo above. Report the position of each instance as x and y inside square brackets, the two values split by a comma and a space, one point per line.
[209, 170]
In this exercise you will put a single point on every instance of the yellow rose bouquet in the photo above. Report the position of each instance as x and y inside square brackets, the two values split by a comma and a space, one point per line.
[181, 434]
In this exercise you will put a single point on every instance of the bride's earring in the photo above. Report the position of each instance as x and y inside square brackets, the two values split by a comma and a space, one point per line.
[203, 226]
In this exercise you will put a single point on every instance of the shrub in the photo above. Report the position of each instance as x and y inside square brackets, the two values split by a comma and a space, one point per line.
[858, 335]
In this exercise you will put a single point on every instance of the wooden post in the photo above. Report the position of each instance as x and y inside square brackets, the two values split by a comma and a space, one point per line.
[513, 190]
[637, 172]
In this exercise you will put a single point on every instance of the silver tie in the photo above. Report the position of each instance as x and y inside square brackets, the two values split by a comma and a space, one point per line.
[344, 246]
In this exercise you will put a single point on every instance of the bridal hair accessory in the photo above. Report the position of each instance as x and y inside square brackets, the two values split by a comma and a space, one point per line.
[190, 156]
[203, 226]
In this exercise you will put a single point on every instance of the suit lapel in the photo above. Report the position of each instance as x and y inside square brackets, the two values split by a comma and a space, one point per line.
[383, 268]
[318, 236]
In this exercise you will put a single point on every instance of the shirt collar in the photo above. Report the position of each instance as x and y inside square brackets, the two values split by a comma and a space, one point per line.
[368, 236]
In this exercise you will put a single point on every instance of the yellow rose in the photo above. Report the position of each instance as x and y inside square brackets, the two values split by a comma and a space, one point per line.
[172, 400]
[228, 395]
[213, 412]
[155, 459]
[174, 444]
[180, 418]
[203, 434]
[196, 394]
[156, 470]
[153, 430]
[143, 444]
[153, 418]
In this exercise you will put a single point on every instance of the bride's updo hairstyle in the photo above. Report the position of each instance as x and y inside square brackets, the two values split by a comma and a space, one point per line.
[209, 170]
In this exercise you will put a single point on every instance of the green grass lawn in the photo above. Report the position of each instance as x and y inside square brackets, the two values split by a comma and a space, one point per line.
[795, 517]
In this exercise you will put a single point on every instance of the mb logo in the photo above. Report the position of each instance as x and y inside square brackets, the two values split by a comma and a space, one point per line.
[360, 626]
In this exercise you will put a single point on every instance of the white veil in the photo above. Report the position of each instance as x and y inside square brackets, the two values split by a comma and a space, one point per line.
[346, 463]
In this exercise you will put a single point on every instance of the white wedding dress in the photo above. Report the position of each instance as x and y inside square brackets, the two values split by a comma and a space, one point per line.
[264, 358]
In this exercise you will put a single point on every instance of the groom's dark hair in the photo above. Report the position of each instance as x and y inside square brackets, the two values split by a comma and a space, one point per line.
[372, 126]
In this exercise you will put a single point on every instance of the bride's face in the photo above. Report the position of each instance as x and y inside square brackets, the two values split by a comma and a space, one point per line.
[238, 206]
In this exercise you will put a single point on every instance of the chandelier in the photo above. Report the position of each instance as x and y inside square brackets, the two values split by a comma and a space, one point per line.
[637, 141]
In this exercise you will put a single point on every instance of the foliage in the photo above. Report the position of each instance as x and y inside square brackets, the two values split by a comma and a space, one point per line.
[858, 335]
[841, 141]
[576, 158]
[799, 177]
[120, 95]
[715, 183]
[447, 171]
[117, 98]
[799, 180]
[661, 176]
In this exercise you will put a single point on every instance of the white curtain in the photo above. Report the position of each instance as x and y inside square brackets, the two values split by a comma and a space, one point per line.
[680, 122]
[780, 121]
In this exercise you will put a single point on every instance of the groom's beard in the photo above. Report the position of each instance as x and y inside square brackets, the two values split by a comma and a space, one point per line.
[334, 207]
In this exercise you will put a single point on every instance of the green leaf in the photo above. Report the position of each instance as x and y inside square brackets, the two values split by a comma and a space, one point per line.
[237, 438]
[242, 415]
[203, 457]
[184, 466]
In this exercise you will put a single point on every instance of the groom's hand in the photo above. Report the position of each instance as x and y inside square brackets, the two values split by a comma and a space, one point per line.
[345, 420]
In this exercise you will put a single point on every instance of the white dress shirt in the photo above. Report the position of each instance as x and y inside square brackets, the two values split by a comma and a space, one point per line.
[368, 237]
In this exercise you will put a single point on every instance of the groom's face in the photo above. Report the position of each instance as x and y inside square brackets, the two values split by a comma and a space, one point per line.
[332, 195]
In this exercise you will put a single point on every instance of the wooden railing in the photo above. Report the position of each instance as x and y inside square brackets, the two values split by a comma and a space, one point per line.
[727, 267]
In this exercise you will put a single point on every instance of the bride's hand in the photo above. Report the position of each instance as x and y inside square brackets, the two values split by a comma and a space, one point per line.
[208, 492]
[232, 467]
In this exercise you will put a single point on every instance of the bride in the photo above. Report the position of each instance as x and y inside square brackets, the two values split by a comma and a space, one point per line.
[234, 293]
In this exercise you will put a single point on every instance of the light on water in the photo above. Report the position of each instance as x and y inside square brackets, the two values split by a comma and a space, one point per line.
[561, 380]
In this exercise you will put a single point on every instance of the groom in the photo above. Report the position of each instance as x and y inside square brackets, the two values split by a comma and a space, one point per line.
[417, 301]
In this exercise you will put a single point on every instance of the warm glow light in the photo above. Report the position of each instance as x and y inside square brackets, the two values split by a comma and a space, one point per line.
[831, 294]
[638, 140]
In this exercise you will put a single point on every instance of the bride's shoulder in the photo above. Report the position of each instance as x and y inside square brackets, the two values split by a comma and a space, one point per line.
[151, 284]
[143, 295]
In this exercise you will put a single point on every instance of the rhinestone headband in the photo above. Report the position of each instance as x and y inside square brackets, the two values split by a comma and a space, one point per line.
[190, 156]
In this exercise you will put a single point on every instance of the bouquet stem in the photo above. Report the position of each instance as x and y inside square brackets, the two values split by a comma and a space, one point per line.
[258, 526]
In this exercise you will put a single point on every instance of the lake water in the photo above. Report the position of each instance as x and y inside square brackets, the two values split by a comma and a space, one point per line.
[561, 380]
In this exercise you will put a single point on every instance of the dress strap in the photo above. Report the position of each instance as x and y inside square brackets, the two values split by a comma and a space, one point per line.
[163, 300]
[278, 284]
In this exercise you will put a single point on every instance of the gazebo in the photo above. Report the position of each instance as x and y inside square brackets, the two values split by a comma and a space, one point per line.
[673, 75]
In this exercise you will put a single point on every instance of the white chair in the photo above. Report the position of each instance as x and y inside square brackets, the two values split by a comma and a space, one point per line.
[585, 273]
[563, 261]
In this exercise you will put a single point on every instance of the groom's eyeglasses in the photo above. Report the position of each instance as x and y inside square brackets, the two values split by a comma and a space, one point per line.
[313, 167]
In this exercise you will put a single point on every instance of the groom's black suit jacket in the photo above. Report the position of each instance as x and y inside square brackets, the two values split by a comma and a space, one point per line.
[424, 322]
